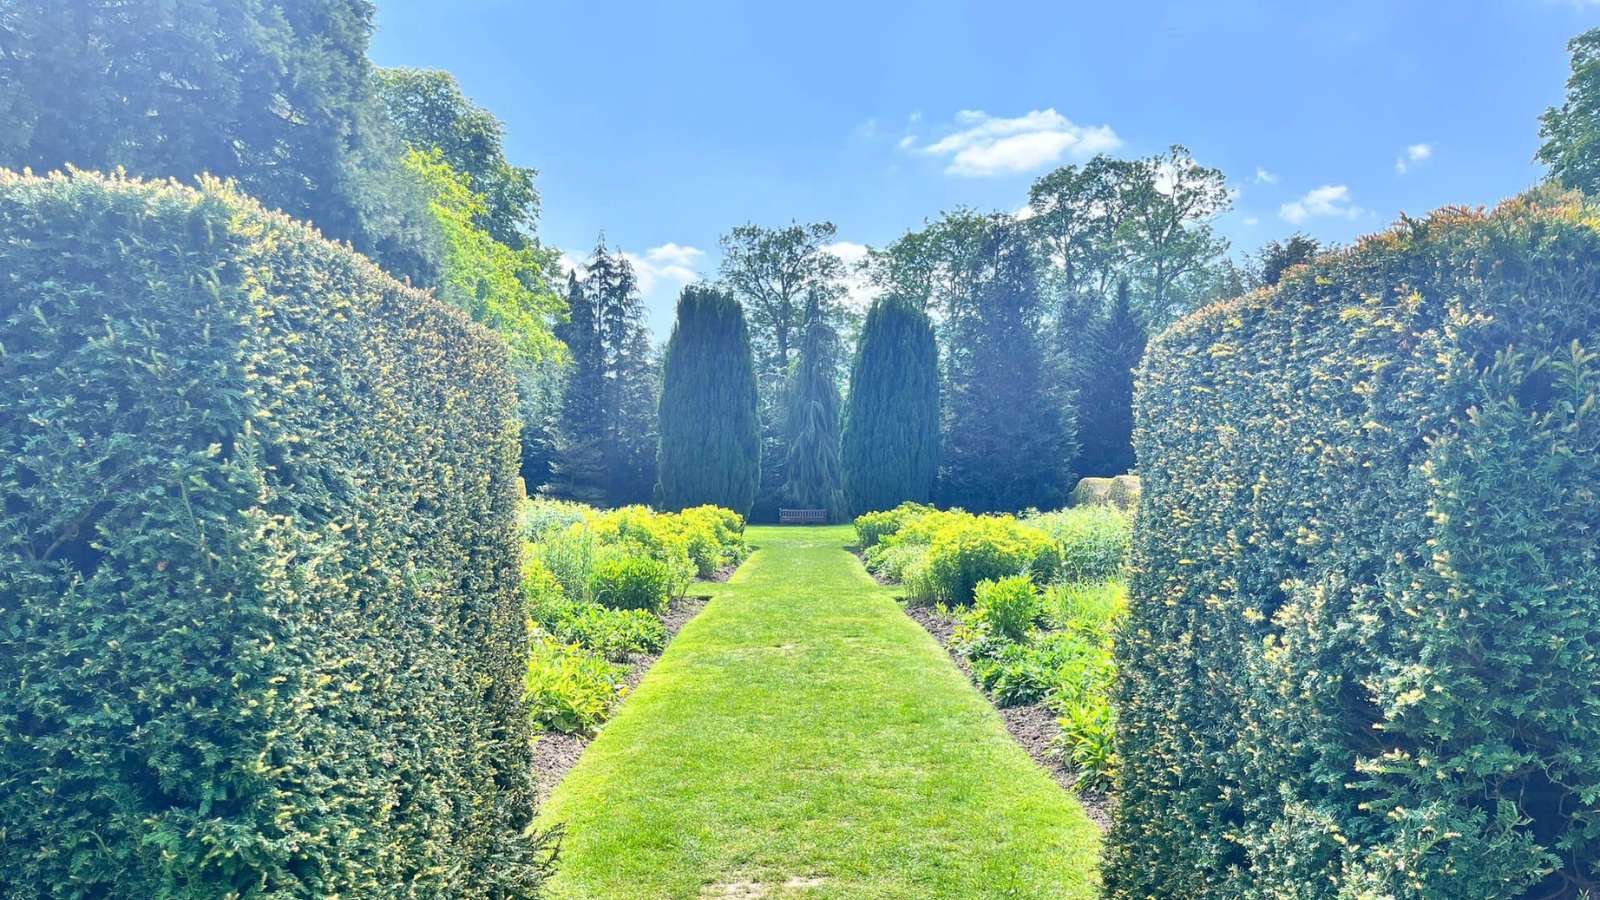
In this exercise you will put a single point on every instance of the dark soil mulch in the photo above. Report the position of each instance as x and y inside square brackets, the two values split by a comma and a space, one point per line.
[1033, 726]
[722, 575]
[554, 754]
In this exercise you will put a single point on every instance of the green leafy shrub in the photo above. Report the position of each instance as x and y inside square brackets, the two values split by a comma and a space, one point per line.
[1092, 609]
[1010, 608]
[715, 537]
[962, 549]
[260, 633]
[1070, 666]
[616, 634]
[571, 689]
[568, 554]
[631, 582]
[541, 518]
[874, 526]
[1094, 540]
[1363, 656]
[1121, 492]
[706, 536]
[1023, 673]
[1088, 742]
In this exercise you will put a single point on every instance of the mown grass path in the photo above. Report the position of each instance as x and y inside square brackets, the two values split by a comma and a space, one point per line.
[803, 738]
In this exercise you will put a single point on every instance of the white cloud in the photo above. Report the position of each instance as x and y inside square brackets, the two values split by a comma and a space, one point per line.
[569, 264]
[1265, 177]
[1252, 221]
[859, 292]
[1326, 201]
[1413, 156]
[983, 145]
[668, 265]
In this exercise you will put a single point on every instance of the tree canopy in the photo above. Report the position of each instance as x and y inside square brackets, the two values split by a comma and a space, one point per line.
[280, 97]
[1571, 131]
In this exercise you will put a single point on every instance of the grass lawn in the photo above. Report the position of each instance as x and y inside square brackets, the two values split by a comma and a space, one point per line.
[803, 738]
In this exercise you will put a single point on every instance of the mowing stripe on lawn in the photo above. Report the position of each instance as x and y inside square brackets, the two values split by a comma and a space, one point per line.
[803, 738]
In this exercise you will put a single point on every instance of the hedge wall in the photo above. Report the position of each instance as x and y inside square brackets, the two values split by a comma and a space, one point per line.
[259, 628]
[1363, 656]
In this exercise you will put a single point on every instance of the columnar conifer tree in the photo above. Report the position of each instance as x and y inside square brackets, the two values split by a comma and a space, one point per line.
[890, 448]
[710, 449]
[812, 465]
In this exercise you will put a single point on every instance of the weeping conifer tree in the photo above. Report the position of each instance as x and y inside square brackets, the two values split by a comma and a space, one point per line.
[890, 449]
[812, 465]
[710, 449]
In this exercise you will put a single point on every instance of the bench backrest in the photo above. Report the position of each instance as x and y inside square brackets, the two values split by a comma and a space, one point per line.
[802, 515]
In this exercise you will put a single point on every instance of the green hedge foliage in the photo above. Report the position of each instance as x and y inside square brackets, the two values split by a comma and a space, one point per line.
[260, 634]
[1362, 658]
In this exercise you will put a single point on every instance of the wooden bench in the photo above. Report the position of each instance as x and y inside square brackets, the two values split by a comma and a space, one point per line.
[803, 516]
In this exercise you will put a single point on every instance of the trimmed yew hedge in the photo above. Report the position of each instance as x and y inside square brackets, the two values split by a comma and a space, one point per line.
[1363, 655]
[260, 634]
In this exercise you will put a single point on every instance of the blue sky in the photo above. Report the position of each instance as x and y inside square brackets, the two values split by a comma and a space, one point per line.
[665, 124]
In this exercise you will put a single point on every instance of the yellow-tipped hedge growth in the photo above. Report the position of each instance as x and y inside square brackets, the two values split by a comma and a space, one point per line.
[1363, 655]
[260, 635]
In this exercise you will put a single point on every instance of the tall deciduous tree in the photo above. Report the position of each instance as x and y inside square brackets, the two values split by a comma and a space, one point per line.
[1009, 442]
[279, 96]
[1169, 230]
[498, 285]
[772, 271]
[710, 450]
[429, 109]
[1571, 131]
[495, 265]
[889, 451]
[811, 471]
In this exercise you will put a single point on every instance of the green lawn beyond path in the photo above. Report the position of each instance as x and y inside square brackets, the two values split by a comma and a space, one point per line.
[803, 738]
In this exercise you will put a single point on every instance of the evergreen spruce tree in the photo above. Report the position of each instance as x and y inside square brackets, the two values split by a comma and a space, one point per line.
[605, 444]
[710, 450]
[578, 469]
[890, 448]
[1009, 444]
[1105, 394]
[630, 384]
[811, 469]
